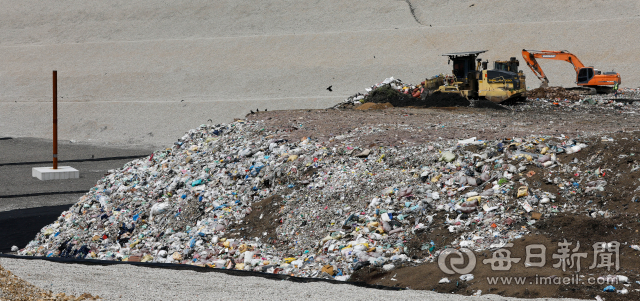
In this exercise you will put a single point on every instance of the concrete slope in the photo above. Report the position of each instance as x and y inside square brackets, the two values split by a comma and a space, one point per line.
[142, 73]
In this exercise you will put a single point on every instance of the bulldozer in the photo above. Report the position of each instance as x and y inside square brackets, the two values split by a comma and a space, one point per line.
[471, 78]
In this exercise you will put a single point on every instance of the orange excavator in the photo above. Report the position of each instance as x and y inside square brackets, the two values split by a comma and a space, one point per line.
[590, 79]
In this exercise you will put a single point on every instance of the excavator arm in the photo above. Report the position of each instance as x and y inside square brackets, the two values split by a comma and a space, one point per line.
[530, 57]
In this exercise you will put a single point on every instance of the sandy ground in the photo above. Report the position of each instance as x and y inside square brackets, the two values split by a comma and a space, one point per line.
[125, 282]
[142, 73]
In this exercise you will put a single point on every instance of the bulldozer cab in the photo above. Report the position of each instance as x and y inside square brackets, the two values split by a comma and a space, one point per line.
[463, 63]
[510, 65]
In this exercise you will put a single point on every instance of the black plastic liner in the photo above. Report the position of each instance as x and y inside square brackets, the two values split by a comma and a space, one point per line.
[10, 196]
[19, 227]
[77, 160]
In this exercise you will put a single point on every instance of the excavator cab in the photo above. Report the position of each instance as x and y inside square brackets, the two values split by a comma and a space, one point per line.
[585, 75]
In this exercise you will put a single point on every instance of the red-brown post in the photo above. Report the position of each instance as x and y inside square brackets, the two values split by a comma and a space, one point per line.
[55, 119]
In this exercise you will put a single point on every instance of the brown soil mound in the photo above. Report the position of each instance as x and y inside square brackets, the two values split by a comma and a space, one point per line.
[263, 220]
[539, 282]
[374, 106]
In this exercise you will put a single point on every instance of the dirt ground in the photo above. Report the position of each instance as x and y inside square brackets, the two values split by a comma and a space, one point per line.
[582, 229]
[13, 288]
[610, 132]
[406, 126]
[263, 219]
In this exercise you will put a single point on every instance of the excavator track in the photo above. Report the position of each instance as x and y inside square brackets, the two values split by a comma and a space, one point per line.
[583, 90]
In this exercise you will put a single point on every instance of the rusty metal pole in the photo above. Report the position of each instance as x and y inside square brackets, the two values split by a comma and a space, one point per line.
[55, 119]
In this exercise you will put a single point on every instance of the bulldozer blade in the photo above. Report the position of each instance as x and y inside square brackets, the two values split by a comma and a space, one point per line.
[513, 99]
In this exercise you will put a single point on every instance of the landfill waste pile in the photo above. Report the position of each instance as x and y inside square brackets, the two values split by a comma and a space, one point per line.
[391, 89]
[630, 93]
[321, 211]
[326, 193]
[628, 99]
[557, 96]
[389, 94]
[399, 94]
[14, 288]
[553, 93]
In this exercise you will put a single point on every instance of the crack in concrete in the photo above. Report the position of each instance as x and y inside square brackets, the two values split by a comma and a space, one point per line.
[413, 13]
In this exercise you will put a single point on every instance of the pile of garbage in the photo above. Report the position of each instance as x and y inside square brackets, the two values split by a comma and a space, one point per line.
[393, 96]
[358, 98]
[399, 94]
[629, 93]
[553, 93]
[235, 196]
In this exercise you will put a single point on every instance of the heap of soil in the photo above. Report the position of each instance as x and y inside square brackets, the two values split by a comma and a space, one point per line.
[553, 92]
[374, 106]
[263, 220]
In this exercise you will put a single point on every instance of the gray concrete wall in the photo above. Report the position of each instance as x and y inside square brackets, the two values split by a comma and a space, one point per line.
[140, 72]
